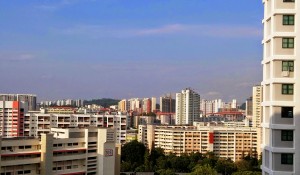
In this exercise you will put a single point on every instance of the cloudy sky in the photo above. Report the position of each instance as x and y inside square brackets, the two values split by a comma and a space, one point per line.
[130, 48]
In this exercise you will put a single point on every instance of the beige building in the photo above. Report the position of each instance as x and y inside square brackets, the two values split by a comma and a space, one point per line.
[146, 135]
[123, 105]
[153, 104]
[225, 142]
[256, 106]
[64, 151]
[281, 88]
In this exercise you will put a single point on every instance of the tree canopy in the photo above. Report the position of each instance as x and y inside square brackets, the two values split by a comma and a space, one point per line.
[137, 158]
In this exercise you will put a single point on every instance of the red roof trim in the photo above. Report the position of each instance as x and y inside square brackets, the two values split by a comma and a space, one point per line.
[19, 154]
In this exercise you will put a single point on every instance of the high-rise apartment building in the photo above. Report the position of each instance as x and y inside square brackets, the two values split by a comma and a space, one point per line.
[123, 105]
[256, 106]
[206, 107]
[153, 104]
[167, 104]
[187, 107]
[30, 99]
[146, 105]
[281, 88]
[12, 118]
[249, 106]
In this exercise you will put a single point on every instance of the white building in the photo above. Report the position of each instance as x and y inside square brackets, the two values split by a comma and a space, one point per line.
[187, 107]
[153, 104]
[135, 104]
[281, 88]
[63, 151]
[37, 123]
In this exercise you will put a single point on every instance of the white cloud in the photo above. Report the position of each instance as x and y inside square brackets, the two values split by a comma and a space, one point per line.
[168, 29]
[213, 93]
[17, 57]
[52, 6]
[230, 31]
[226, 31]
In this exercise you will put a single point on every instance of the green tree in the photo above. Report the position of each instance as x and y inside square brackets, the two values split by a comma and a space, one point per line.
[155, 154]
[126, 166]
[195, 158]
[225, 166]
[247, 173]
[180, 163]
[133, 153]
[203, 169]
[210, 159]
[166, 172]
[243, 165]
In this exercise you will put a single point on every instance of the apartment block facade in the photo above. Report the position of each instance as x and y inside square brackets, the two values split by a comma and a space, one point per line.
[36, 124]
[225, 142]
[167, 104]
[63, 151]
[256, 106]
[29, 99]
[12, 118]
[187, 107]
[281, 88]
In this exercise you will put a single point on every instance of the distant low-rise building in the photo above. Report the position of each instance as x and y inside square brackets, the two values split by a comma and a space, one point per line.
[225, 142]
[36, 123]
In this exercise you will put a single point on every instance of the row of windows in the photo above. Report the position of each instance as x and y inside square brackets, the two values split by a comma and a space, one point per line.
[19, 172]
[288, 0]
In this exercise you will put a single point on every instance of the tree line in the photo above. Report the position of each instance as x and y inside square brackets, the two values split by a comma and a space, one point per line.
[135, 157]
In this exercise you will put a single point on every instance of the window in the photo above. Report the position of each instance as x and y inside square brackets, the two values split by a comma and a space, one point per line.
[287, 89]
[288, 0]
[288, 66]
[288, 19]
[287, 112]
[27, 171]
[287, 158]
[287, 135]
[287, 42]
[69, 167]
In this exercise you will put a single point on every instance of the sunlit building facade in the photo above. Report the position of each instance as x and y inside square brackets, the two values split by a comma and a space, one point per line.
[281, 88]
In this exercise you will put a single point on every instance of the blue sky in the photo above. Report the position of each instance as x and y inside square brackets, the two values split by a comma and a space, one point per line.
[130, 48]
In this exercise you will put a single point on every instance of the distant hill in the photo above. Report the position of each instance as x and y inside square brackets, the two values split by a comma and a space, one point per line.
[105, 102]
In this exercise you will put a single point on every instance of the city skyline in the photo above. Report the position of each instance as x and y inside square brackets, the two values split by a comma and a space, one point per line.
[119, 49]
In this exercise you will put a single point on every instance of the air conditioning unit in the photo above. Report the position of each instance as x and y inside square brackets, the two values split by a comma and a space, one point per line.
[285, 73]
